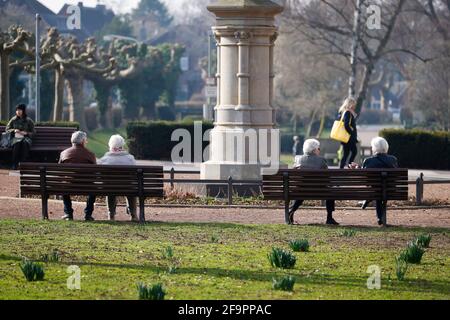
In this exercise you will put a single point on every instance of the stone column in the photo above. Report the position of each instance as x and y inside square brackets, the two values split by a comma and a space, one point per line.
[245, 32]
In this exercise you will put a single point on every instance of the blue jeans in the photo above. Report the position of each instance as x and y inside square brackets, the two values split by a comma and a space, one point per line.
[87, 211]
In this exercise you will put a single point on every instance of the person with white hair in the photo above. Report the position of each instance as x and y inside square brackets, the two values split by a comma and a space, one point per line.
[381, 159]
[311, 159]
[78, 153]
[117, 155]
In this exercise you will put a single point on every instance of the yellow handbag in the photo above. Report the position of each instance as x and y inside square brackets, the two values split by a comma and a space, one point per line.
[338, 131]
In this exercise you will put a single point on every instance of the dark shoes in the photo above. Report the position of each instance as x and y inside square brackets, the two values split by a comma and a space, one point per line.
[89, 218]
[365, 204]
[67, 217]
[332, 222]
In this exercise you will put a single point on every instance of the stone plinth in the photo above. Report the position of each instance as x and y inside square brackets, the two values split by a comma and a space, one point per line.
[245, 119]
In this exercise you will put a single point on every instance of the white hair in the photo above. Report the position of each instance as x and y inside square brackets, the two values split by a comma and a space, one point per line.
[78, 137]
[310, 145]
[379, 145]
[116, 142]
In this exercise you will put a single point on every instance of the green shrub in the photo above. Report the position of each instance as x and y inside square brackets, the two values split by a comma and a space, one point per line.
[168, 252]
[62, 124]
[348, 233]
[412, 254]
[401, 267]
[214, 239]
[284, 283]
[280, 258]
[32, 271]
[52, 257]
[152, 140]
[301, 245]
[423, 240]
[405, 143]
[154, 292]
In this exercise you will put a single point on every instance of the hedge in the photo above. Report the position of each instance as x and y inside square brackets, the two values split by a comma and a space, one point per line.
[152, 140]
[419, 149]
[63, 124]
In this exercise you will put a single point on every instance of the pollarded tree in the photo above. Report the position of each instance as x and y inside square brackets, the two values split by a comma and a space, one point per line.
[14, 40]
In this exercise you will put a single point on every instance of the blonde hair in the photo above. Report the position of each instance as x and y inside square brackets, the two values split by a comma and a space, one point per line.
[348, 103]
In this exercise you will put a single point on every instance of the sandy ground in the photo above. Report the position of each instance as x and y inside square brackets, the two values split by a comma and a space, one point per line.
[30, 208]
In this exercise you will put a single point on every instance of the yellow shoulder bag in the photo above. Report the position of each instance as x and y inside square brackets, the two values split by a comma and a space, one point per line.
[338, 131]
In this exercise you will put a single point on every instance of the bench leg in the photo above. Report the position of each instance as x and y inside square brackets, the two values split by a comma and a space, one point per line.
[45, 207]
[141, 209]
[287, 218]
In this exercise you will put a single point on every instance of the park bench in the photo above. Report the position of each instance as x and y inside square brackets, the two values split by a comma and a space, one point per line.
[332, 184]
[47, 179]
[49, 141]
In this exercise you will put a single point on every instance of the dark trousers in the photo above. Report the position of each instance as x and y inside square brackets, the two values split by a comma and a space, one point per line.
[20, 152]
[351, 150]
[297, 203]
[87, 211]
[380, 209]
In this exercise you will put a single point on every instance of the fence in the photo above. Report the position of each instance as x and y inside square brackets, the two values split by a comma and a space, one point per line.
[420, 182]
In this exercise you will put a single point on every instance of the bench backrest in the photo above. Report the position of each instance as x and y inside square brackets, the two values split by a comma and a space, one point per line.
[363, 184]
[80, 179]
[50, 138]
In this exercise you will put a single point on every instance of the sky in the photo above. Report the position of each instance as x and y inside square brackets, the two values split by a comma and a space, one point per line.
[119, 6]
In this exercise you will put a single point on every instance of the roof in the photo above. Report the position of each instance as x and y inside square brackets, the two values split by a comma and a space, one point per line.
[93, 19]
[33, 6]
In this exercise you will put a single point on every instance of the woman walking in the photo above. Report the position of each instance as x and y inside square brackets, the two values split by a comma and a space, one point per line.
[23, 129]
[347, 111]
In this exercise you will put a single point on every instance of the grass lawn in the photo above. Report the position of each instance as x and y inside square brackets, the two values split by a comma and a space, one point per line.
[98, 140]
[216, 261]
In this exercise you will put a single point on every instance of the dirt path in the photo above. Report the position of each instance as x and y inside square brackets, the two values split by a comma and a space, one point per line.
[31, 209]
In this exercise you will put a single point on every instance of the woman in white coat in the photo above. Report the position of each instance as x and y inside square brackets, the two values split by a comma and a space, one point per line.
[118, 156]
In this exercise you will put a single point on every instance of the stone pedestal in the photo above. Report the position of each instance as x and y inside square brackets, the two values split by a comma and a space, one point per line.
[244, 135]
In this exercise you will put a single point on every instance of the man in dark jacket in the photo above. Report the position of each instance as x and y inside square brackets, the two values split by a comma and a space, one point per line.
[381, 159]
[78, 154]
[311, 159]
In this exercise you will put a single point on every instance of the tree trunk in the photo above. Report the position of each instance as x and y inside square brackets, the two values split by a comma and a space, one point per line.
[104, 102]
[322, 123]
[59, 95]
[149, 111]
[368, 70]
[75, 98]
[311, 123]
[354, 52]
[4, 86]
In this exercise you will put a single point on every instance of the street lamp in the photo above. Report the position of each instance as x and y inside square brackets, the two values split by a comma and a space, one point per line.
[38, 70]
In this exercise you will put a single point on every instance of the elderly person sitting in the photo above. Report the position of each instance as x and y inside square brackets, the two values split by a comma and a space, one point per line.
[78, 153]
[118, 156]
[312, 160]
[381, 159]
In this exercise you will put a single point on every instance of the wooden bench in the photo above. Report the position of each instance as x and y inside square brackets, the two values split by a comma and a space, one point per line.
[362, 184]
[47, 179]
[49, 140]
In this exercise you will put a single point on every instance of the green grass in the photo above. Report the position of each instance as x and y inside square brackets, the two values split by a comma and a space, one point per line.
[114, 257]
[98, 140]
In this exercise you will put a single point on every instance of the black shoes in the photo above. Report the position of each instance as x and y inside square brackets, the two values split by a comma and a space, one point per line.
[332, 222]
[365, 204]
[89, 218]
[67, 217]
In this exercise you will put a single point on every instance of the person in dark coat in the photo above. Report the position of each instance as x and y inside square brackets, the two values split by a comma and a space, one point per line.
[23, 129]
[381, 159]
[78, 153]
[296, 148]
[311, 159]
[350, 116]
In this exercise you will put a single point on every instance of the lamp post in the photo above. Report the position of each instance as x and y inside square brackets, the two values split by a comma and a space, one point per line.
[38, 69]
